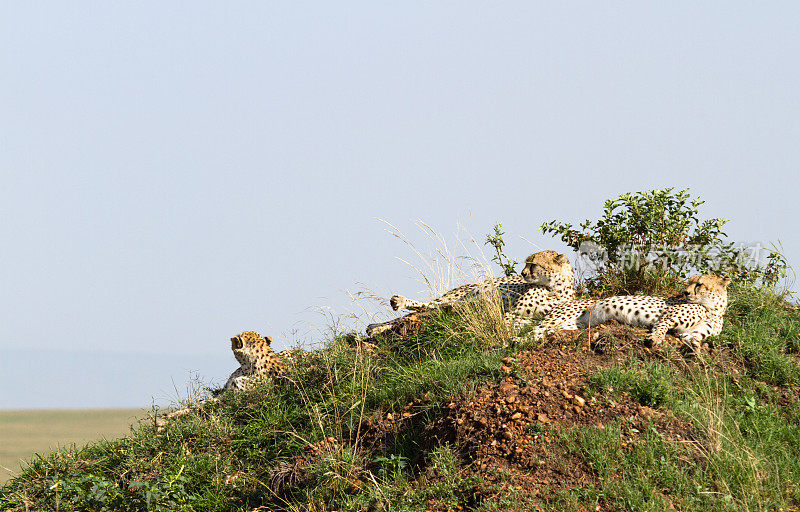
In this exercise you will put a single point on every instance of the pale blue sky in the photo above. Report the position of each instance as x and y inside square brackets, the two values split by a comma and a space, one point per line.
[176, 173]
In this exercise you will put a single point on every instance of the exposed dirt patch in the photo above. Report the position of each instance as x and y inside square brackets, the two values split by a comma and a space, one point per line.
[512, 429]
[516, 423]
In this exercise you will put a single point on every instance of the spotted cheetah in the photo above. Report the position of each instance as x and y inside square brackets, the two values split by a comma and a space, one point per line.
[256, 359]
[698, 315]
[562, 317]
[694, 317]
[546, 280]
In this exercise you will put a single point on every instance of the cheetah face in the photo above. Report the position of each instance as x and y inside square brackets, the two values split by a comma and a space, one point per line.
[707, 290]
[545, 267]
[248, 346]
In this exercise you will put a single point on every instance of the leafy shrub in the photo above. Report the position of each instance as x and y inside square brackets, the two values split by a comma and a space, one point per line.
[650, 241]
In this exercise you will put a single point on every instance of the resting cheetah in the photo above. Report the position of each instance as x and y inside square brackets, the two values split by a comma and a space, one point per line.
[695, 317]
[546, 280]
[256, 359]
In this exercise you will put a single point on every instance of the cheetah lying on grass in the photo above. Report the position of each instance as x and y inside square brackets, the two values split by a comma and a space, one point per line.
[546, 280]
[256, 360]
[693, 318]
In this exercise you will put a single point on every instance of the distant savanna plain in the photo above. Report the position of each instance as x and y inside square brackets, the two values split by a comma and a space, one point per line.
[24, 433]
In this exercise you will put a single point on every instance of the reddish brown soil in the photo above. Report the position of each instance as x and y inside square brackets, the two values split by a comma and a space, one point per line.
[515, 423]
[511, 428]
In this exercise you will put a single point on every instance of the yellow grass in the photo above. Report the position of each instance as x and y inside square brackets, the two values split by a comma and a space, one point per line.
[23, 433]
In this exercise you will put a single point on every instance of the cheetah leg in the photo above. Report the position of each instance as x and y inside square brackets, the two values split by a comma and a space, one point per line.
[692, 340]
[547, 326]
[241, 383]
[373, 329]
[516, 322]
[460, 294]
[660, 329]
[163, 421]
[400, 302]
[233, 380]
[700, 332]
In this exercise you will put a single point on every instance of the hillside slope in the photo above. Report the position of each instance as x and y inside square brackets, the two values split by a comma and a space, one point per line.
[438, 417]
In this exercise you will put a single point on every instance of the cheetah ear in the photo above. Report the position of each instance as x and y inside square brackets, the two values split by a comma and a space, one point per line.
[562, 259]
[269, 340]
[726, 282]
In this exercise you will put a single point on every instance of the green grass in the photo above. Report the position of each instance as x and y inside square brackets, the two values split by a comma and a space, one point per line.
[742, 402]
[765, 332]
[23, 433]
[650, 383]
[221, 458]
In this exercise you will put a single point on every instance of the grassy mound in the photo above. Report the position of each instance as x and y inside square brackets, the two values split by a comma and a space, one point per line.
[441, 417]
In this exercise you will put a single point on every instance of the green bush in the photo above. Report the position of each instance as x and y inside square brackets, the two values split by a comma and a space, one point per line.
[650, 241]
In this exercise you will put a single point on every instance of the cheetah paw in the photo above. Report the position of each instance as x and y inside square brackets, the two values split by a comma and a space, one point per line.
[691, 344]
[397, 302]
[653, 341]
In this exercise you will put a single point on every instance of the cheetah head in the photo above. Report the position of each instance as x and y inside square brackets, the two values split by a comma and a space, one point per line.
[547, 267]
[707, 290]
[248, 346]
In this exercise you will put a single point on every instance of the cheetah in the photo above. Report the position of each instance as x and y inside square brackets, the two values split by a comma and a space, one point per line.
[256, 359]
[694, 317]
[563, 317]
[546, 280]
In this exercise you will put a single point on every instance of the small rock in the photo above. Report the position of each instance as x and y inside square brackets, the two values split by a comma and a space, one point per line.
[579, 401]
[646, 412]
[542, 418]
[516, 416]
